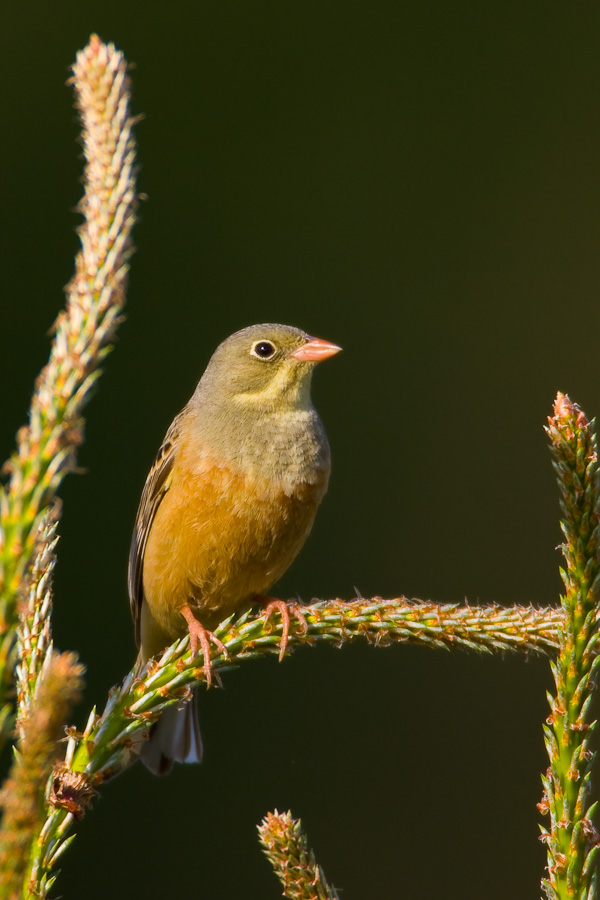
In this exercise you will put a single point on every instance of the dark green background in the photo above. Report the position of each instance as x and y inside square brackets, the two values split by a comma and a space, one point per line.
[419, 183]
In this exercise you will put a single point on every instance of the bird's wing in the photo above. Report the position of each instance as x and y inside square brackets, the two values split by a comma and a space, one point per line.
[157, 485]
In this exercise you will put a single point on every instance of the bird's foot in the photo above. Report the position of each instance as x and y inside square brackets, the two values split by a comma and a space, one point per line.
[284, 609]
[201, 637]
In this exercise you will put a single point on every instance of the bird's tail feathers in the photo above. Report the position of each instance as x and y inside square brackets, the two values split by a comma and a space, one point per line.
[174, 738]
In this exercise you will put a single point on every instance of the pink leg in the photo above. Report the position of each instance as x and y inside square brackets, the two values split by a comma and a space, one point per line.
[199, 636]
[284, 609]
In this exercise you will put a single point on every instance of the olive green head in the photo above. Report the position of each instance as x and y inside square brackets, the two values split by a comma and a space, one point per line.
[265, 365]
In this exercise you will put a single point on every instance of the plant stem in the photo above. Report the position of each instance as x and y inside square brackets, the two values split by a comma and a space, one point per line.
[286, 847]
[46, 447]
[112, 741]
[572, 841]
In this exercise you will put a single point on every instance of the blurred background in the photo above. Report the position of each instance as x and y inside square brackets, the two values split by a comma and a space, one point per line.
[418, 183]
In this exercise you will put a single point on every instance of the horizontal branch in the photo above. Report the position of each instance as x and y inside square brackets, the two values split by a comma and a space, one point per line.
[113, 740]
[132, 708]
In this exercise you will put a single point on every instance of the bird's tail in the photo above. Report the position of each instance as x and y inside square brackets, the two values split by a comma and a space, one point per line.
[174, 738]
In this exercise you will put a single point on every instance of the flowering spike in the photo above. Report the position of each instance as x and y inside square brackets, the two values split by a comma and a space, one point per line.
[571, 843]
[83, 333]
[285, 846]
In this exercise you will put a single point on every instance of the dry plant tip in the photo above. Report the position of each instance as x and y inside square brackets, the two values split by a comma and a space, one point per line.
[72, 791]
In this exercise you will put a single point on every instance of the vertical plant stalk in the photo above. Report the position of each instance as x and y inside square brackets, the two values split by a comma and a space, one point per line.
[46, 446]
[34, 634]
[572, 841]
[41, 728]
[49, 684]
[286, 847]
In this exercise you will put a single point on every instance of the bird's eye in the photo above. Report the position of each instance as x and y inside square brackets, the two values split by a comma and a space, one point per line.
[263, 349]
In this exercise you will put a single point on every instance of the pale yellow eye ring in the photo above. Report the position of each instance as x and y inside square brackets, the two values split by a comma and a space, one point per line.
[268, 349]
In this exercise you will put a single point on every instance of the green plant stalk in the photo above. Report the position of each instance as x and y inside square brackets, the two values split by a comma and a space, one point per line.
[572, 842]
[48, 685]
[34, 634]
[286, 847]
[58, 689]
[111, 741]
[46, 446]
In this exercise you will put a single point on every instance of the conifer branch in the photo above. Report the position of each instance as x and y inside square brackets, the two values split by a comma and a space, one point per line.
[34, 634]
[46, 446]
[111, 739]
[572, 841]
[21, 799]
[49, 684]
[111, 742]
[286, 847]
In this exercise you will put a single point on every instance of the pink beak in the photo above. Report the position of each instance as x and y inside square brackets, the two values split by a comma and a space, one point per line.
[315, 350]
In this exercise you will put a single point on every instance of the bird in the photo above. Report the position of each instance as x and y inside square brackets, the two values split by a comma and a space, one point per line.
[228, 503]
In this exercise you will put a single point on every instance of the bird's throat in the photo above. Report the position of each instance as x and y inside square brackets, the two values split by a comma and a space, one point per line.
[287, 447]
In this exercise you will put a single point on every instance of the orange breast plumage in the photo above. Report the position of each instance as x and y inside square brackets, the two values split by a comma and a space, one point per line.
[221, 536]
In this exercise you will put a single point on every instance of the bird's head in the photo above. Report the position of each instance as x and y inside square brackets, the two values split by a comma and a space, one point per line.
[268, 366]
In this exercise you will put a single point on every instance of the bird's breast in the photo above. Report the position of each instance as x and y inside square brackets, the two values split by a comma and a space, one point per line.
[288, 449]
[229, 528]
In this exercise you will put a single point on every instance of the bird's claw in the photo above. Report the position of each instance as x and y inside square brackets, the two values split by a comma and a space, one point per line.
[284, 609]
[201, 637]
